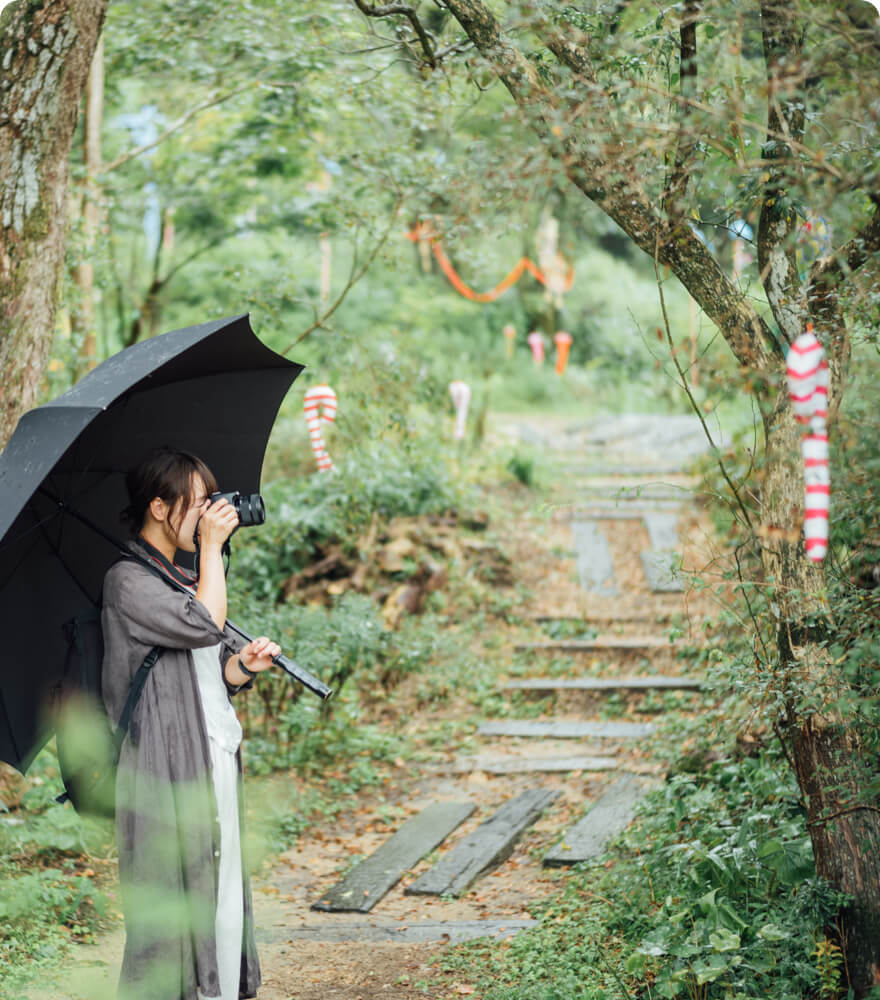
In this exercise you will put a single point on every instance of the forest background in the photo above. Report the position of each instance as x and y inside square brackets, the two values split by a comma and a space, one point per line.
[232, 159]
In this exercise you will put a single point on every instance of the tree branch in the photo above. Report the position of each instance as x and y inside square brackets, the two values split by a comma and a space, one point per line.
[353, 278]
[392, 9]
[783, 44]
[686, 143]
[175, 127]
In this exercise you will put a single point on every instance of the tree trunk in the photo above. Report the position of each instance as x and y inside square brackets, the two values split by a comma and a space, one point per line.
[843, 821]
[845, 831]
[47, 48]
[83, 319]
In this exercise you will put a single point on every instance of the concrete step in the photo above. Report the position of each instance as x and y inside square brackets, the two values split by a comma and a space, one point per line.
[369, 880]
[534, 765]
[658, 682]
[610, 816]
[489, 845]
[621, 644]
[567, 730]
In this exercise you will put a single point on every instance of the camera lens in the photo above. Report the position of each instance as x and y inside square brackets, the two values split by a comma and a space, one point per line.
[252, 511]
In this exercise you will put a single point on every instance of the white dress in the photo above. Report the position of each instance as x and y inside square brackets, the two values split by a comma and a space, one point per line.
[224, 737]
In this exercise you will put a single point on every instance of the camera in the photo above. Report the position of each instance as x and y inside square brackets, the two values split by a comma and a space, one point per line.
[249, 506]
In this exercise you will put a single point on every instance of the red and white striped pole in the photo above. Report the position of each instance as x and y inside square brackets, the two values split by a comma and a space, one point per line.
[319, 403]
[808, 380]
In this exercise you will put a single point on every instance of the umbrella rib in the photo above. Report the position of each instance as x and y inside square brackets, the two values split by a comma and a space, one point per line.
[9, 729]
[57, 551]
[37, 526]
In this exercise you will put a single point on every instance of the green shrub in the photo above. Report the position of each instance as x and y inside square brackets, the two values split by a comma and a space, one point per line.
[712, 893]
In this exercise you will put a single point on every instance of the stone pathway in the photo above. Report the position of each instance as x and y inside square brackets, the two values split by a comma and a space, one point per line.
[527, 749]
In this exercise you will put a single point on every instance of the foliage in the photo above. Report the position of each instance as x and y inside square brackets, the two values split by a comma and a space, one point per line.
[378, 481]
[712, 893]
[50, 893]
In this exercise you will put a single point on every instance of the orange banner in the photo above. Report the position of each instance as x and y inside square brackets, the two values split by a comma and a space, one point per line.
[523, 264]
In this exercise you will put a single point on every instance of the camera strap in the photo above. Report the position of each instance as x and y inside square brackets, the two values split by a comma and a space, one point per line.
[177, 573]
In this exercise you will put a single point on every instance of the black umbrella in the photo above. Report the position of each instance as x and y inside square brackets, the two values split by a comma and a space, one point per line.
[212, 389]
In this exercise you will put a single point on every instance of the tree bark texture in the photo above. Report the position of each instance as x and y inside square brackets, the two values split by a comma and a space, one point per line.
[46, 50]
[83, 316]
[845, 832]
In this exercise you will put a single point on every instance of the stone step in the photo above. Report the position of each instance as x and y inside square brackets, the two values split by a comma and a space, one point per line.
[566, 730]
[611, 511]
[593, 559]
[485, 848]
[370, 879]
[610, 616]
[657, 682]
[614, 644]
[610, 816]
[533, 765]
[602, 470]
[661, 572]
[418, 930]
[648, 493]
[662, 530]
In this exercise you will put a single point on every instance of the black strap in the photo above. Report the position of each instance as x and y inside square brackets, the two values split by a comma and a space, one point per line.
[162, 566]
[134, 693]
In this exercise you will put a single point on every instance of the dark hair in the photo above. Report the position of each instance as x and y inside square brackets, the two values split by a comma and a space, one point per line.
[166, 473]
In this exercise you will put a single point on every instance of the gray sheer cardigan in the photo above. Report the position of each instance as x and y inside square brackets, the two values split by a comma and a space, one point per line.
[167, 827]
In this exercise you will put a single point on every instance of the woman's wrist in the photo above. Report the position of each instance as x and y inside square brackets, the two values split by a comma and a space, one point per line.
[250, 673]
[234, 665]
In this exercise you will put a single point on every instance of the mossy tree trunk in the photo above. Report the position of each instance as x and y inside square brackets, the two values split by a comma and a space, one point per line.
[46, 49]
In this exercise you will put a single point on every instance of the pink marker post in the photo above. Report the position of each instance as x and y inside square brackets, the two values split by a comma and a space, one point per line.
[535, 340]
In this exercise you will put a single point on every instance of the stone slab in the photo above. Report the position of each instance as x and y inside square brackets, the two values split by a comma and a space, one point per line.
[419, 930]
[660, 572]
[567, 730]
[648, 493]
[655, 683]
[614, 645]
[663, 531]
[368, 881]
[628, 471]
[485, 848]
[533, 765]
[594, 566]
[611, 511]
[610, 816]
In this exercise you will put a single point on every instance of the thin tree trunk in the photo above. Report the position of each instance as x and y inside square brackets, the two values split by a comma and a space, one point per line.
[842, 818]
[84, 315]
[47, 48]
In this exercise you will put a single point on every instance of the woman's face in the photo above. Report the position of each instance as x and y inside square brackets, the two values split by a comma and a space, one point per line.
[183, 518]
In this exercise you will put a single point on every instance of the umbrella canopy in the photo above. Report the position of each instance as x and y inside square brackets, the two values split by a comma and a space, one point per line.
[213, 390]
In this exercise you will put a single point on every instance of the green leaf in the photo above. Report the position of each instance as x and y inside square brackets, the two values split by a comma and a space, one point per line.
[773, 932]
[724, 940]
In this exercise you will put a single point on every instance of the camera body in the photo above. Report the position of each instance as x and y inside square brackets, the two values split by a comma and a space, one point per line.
[249, 506]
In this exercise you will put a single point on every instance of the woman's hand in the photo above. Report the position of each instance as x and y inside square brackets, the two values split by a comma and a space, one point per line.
[258, 654]
[217, 524]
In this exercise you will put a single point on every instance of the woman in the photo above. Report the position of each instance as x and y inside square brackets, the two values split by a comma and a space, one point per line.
[185, 892]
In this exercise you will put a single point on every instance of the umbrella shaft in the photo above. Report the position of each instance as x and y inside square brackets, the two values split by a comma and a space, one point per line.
[288, 666]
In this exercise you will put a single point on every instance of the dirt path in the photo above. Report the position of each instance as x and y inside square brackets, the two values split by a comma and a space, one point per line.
[388, 953]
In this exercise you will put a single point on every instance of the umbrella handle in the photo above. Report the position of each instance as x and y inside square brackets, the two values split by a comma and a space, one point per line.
[290, 667]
